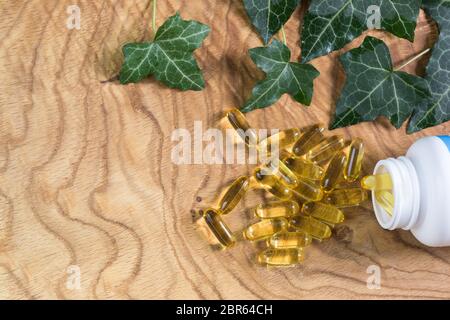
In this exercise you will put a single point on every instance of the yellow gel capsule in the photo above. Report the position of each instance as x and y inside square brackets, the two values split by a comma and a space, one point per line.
[281, 140]
[218, 228]
[378, 182]
[272, 183]
[307, 190]
[343, 198]
[325, 150]
[355, 158]
[277, 209]
[242, 127]
[324, 212]
[334, 171]
[278, 168]
[265, 228]
[315, 228]
[386, 200]
[233, 194]
[310, 138]
[303, 168]
[285, 240]
[281, 257]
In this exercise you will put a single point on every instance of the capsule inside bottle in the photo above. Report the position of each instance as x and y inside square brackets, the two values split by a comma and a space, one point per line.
[277, 209]
[280, 141]
[334, 171]
[353, 166]
[385, 199]
[324, 212]
[233, 194]
[265, 228]
[311, 137]
[240, 124]
[286, 240]
[343, 198]
[326, 149]
[310, 225]
[272, 183]
[218, 228]
[281, 257]
[377, 182]
[303, 168]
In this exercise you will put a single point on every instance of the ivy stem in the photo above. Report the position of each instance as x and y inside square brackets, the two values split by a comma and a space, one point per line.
[154, 17]
[283, 35]
[413, 59]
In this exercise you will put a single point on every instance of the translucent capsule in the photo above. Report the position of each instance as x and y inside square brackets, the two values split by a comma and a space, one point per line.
[265, 228]
[278, 168]
[324, 212]
[218, 228]
[315, 228]
[386, 200]
[355, 158]
[281, 140]
[277, 209]
[334, 171]
[325, 150]
[378, 182]
[233, 194]
[281, 257]
[285, 240]
[303, 168]
[342, 198]
[272, 183]
[309, 139]
[242, 127]
[307, 190]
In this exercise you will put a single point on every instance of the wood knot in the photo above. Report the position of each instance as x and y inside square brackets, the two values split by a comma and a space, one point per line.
[343, 234]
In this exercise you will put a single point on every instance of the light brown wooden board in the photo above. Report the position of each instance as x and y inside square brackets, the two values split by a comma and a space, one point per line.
[86, 177]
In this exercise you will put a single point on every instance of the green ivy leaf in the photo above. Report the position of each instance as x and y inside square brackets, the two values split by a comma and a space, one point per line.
[169, 57]
[374, 89]
[330, 24]
[268, 16]
[437, 73]
[282, 76]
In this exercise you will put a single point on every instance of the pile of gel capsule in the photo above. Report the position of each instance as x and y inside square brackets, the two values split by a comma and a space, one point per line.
[314, 177]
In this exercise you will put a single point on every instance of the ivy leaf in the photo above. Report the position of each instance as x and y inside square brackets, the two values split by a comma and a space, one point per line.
[268, 16]
[437, 73]
[330, 24]
[169, 57]
[282, 77]
[374, 89]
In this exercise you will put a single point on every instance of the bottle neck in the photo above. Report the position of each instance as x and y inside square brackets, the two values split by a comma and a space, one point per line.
[406, 192]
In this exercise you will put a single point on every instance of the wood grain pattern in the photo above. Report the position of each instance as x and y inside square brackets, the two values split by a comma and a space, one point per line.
[86, 177]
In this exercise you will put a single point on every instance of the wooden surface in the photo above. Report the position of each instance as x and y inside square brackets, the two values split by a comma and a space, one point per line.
[86, 177]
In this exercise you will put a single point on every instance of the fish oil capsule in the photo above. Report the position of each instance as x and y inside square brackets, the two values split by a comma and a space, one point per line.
[355, 158]
[385, 199]
[307, 191]
[342, 198]
[265, 228]
[281, 140]
[309, 139]
[239, 123]
[278, 168]
[285, 240]
[233, 194]
[378, 182]
[315, 228]
[324, 212]
[326, 149]
[303, 168]
[334, 171]
[281, 257]
[277, 209]
[272, 184]
[218, 228]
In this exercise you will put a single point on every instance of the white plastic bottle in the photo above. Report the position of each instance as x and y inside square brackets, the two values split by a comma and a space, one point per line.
[421, 189]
